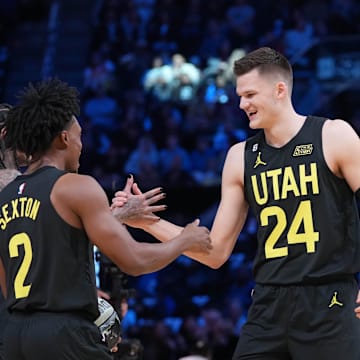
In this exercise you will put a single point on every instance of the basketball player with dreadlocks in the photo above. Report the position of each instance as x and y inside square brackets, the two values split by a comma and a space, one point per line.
[50, 218]
[10, 161]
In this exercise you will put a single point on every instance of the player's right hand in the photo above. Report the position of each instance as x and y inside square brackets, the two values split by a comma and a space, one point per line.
[197, 237]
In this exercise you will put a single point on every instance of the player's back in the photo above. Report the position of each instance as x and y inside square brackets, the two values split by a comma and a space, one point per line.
[48, 263]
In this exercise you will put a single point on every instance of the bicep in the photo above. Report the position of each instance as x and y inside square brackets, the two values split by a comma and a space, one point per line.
[91, 205]
[233, 208]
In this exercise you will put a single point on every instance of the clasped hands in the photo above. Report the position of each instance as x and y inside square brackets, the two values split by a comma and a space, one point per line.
[133, 207]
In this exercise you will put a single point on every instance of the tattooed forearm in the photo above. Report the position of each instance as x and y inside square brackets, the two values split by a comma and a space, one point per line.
[6, 176]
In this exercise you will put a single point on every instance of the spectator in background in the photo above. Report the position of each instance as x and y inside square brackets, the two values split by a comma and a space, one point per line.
[185, 78]
[99, 74]
[201, 160]
[172, 153]
[298, 37]
[102, 110]
[157, 80]
[144, 160]
[240, 16]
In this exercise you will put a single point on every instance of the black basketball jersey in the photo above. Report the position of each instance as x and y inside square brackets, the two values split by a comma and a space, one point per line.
[308, 222]
[48, 263]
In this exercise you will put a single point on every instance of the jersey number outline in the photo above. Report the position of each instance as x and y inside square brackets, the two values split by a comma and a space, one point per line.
[22, 239]
[303, 216]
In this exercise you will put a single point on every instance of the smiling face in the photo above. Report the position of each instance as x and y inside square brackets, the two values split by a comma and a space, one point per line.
[262, 97]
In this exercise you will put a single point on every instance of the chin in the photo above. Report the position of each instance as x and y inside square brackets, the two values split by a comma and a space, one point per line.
[253, 125]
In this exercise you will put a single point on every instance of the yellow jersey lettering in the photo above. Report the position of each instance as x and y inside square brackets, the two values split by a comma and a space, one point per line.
[311, 178]
[34, 210]
[2, 223]
[14, 204]
[289, 183]
[22, 201]
[260, 200]
[5, 213]
[274, 175]
[19, 208]
[307, 180]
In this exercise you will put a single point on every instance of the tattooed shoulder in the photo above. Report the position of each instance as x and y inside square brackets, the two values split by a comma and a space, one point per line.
[6, 176]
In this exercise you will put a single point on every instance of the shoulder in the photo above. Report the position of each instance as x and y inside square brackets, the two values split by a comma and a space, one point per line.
[7, 175]
[73, 186]
[236, 150]
[335, 129]
[234, 162]
[75, 195]
[340, 140]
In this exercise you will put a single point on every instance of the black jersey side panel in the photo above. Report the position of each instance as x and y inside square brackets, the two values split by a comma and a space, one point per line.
[308, 218]
[48, 263]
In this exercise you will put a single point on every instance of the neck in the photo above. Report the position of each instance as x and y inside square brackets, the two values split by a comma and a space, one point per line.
[37, 163]
[283, 132]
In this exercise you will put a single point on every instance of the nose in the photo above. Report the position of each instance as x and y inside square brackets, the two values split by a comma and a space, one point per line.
[243, 103]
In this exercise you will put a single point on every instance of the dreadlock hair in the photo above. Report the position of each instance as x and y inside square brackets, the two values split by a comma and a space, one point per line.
[42, 112]
[4, 109]
[266, 60]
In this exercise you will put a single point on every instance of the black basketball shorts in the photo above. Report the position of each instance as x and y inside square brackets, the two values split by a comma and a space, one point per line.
[308, 322]
[55, 336]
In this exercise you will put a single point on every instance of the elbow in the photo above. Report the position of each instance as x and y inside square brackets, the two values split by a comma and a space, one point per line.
[215, 265]
[133, 270]
[138, 266]
[220, 259]
[217, 261]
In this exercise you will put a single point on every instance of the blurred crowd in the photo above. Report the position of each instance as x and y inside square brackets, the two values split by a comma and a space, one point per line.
[158, 101]
[158, 92]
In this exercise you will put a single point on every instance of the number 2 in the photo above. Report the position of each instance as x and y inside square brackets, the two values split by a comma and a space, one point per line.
[22, 239]
[294, 236]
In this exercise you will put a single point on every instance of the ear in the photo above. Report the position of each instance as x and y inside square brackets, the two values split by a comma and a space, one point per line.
[61, 141]
[281, 89]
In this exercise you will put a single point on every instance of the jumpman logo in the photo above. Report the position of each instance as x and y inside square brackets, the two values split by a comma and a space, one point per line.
[334, 301]
[258, 160]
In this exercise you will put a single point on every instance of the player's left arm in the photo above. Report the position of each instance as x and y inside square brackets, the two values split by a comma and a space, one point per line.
[341, 146]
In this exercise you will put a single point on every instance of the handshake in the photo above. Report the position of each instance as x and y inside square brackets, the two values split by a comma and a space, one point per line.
[134, 208]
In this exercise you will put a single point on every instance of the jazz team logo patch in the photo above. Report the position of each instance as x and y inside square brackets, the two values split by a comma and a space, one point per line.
[303, 150]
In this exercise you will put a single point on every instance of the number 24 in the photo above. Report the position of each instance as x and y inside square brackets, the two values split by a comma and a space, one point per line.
[303, 216]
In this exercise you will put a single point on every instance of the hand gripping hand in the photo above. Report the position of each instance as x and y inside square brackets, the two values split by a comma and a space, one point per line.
[134, 208]
[197, 237]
